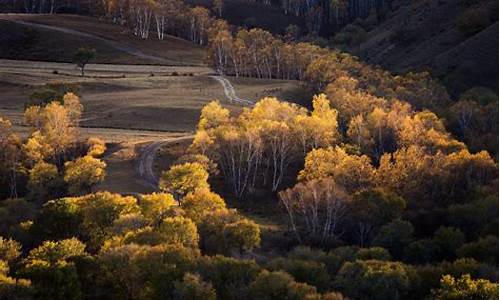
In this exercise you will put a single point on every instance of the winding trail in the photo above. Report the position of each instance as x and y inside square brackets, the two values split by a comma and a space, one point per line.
[230, 92]
[147, 155]
[145, 160]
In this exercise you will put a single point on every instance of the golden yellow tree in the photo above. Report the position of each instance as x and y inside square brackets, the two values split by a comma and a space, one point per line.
[213, 115]
[73, 107]
[10, 146]
[183, 179]
[55, 127]
[200, 202]
[320, 129]
[351, 172]
[82, 173]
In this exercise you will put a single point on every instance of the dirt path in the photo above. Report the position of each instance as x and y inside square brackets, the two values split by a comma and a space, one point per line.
[230, 92]
[146, 159]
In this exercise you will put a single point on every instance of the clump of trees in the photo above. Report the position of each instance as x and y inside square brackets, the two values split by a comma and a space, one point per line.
[221, 230]
[370, 166]
[267, 140]
[52, 161]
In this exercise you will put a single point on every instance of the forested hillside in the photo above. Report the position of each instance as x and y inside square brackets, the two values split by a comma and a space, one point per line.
[382, 185]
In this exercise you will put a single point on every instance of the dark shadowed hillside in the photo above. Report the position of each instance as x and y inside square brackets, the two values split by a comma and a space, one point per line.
[457, 42]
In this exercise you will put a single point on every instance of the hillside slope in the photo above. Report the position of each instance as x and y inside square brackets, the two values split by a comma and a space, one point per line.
[38, 37]
[424, 36]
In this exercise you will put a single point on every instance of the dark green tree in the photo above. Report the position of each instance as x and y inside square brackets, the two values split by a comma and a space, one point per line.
[82, 57]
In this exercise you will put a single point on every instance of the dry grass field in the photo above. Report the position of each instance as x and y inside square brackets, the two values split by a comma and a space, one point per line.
[129, 99]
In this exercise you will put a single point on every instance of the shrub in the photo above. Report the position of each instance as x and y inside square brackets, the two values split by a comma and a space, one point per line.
[485, 250]
[193, 287]
[377, 253]
[465, 288]
[372, 279]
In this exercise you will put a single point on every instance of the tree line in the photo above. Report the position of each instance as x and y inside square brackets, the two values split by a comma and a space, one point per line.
[320, 16]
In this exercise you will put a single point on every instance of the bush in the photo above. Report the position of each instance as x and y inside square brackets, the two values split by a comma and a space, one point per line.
[280, 285]
[469, 266]
[229, 276]
[481, 95]
[193, 287]
[448, 240]
[465, 288]
[421, 251]
[485, 250]
[352, 35]
[51, 92]
[377, 253]
[310, 272]
[395, 236]
[180, 230]
[373, 279]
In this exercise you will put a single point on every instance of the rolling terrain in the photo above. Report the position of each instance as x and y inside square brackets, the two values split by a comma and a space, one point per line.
[137, 94]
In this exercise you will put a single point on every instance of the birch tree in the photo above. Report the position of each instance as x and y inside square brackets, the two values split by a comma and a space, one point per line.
[316, 209]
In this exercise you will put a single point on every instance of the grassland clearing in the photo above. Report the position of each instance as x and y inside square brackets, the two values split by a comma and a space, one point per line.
[131, 96]
[130, 102]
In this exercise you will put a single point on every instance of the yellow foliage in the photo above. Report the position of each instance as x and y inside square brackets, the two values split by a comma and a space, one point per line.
[200, 202]
[180, 230]
[74, 107]
[32, 116]
[320, 129]
[53, 124]
[202, 141]
[351, 101]
[99, 211]
[97, 147]
[271, 109]
[185, 178]
[84, 172]
[213, 115]
[352, 172]
[36, 148]
[41, 175]
[156, 206]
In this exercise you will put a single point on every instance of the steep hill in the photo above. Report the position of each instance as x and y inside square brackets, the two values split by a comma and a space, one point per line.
[426, 35]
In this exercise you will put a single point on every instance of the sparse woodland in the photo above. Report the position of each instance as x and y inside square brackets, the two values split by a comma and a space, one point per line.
[385, 187]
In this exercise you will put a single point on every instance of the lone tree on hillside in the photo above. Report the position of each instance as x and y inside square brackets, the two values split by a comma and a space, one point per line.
[82, 57]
